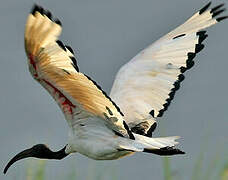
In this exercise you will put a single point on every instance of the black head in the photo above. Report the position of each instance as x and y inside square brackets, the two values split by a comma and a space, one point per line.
[40, 151]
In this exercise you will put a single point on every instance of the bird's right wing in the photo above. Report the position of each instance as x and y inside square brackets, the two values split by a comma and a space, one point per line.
[53, 65]
[145, 86]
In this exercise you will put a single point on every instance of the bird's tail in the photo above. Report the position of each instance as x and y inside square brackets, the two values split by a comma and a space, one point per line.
[163, 146]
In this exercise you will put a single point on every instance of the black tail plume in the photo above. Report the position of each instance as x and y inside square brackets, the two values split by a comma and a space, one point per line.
[166, 151]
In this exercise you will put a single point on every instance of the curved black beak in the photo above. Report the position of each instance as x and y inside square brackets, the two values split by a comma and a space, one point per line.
[40, 151]
[24, 154]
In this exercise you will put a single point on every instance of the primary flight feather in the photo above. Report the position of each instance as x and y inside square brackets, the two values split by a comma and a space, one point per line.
[103, 127]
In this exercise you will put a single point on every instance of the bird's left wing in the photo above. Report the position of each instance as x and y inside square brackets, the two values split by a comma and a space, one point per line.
[54, 66]
[145, 86]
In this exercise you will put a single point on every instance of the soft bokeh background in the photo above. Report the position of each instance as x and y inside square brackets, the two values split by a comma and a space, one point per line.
[106, 34]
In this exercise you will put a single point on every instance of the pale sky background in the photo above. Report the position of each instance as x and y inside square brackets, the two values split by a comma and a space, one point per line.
[105, 35]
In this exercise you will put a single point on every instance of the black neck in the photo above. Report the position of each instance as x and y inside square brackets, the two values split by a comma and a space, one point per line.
[40, 151]
[57, 155]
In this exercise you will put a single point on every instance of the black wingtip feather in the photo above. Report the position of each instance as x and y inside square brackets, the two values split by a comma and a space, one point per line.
[48, 14]
[189, 64]
[151, 130]
[201, 11]
[199, 47]
[166, 106]
[41, 10]
[131, 136]
[217, 7]
[152, 113]
[35, 9]
[57, 21]
[138, 130]
[191, 55]
[172, 94]
[182, 69]
[75, 67]
[161, 112]
[199, 33]
[70, 49]
[216, 13]
[61, 44]
[74, 64]
[73, 60]
[221, 18]
[181, 77]
[202, 38]
[169, 101]
[176, 85]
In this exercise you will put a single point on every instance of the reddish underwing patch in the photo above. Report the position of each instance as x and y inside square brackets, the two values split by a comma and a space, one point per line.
[66, 104]
[33, 63]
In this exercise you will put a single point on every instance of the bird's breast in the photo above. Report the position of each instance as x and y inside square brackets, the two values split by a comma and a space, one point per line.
[98, 151]
[96, 143]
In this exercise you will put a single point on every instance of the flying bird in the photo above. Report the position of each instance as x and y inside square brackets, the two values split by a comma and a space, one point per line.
[106, 127]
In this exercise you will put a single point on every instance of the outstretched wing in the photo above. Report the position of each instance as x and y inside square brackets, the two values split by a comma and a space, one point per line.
[145, 86]
[54, 66]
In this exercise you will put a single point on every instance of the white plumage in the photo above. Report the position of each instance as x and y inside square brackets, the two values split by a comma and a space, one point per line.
[109, 128]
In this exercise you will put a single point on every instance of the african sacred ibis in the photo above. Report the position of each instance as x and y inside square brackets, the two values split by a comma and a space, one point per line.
[101, 127]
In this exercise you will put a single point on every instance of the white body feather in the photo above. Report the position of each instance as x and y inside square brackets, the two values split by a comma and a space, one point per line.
[92, 138]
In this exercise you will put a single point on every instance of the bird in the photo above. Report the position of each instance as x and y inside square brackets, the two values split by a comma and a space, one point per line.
[108, 127]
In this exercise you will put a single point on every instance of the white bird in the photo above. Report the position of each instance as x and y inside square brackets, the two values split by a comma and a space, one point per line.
[101, 127]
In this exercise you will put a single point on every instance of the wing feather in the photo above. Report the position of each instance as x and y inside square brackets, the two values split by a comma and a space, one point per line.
[145, 86]
[54, 66]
